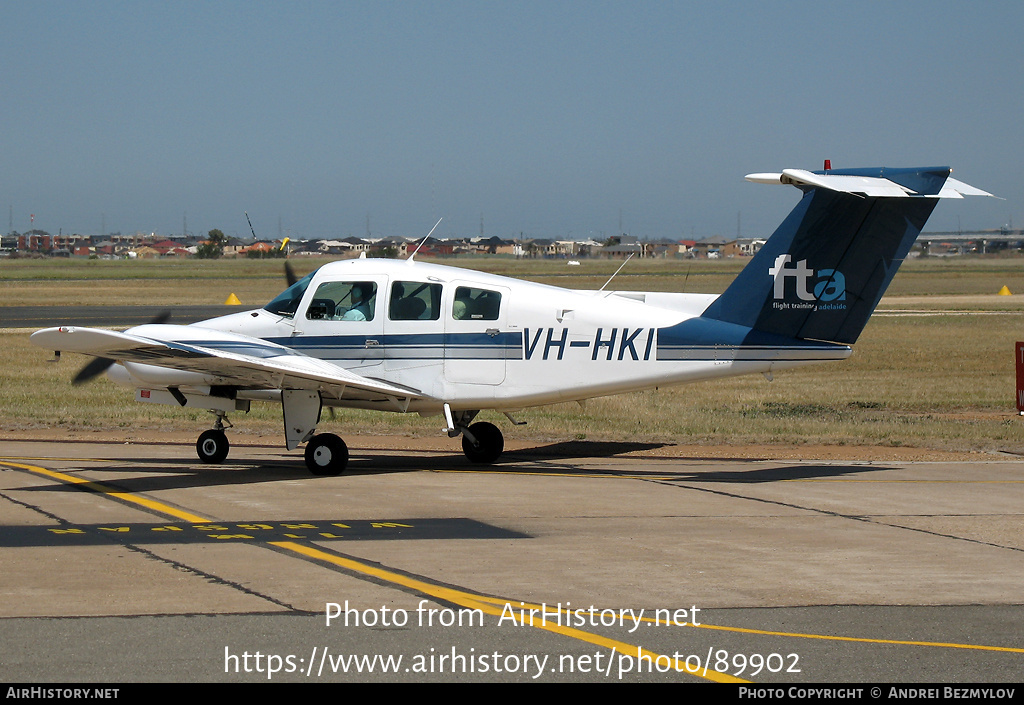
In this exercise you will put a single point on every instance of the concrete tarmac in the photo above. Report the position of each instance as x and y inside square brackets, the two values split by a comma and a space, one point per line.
[137, 563]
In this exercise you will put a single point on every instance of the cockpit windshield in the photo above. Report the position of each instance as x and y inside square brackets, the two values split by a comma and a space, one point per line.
[288, 300]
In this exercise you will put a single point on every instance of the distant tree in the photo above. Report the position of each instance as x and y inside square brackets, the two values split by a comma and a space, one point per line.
[273, 253]
[213, 248]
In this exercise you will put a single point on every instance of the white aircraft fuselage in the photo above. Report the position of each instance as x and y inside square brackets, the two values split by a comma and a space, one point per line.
[545, 345]
[407, 336]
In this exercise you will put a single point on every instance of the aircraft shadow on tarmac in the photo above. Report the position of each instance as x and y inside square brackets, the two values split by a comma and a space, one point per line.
[572, 450]
[154, 474]
[780, 473]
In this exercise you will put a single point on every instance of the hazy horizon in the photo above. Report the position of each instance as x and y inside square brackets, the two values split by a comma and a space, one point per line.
[555, 119]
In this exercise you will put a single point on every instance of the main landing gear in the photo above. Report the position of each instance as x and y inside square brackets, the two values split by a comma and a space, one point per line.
[213, 446]
[326, 454]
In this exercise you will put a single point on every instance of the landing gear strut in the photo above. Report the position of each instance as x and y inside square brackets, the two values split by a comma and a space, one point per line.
[212, 446]
[326, 454]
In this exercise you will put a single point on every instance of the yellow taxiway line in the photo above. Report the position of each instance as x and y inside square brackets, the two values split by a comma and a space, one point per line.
[459, 597]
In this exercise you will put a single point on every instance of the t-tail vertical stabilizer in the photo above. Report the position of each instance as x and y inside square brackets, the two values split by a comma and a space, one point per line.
[823, 271]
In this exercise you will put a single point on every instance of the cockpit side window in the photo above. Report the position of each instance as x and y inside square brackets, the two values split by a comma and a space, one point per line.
[415, 301]
[476, 304]
[285, 303]
[343, 301]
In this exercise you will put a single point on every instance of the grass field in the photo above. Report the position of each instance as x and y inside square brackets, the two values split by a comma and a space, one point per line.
[27, 282]
[934, 369]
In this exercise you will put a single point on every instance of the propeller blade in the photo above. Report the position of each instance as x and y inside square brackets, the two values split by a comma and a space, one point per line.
[289, 273]
[99, 365]
[96, 366]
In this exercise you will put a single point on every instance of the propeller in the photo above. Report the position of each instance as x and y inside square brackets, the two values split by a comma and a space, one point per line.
[99, 365]
[289, 273]
[96, 367]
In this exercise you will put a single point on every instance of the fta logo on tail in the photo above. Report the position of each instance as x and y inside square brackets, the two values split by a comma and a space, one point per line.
[825, 285]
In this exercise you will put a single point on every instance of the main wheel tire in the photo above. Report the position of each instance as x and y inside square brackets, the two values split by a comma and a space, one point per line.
[489, 443]
[212, 446]
[326, 454]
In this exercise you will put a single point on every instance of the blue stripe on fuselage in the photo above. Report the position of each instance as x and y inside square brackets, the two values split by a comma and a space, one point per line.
[699, 338]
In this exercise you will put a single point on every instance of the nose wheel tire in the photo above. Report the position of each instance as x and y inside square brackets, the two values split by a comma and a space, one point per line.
[489, 443]
[212, 446]
[326, 454]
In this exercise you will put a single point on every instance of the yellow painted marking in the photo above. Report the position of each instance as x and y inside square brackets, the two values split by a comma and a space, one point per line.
[230, 536]
[795, 635]
[487, 605]
[448, 594]
[110, 491]
[945, 645]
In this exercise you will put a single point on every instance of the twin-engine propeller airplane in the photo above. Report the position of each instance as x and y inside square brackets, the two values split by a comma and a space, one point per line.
[406, 336]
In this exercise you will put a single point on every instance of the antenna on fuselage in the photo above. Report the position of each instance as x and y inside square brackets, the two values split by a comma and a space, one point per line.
[424, 239]
[617, 271]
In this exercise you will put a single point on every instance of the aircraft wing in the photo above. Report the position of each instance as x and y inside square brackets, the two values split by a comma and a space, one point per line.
[235, 360]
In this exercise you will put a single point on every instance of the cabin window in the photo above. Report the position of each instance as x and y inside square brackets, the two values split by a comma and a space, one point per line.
[475, 304]
[343, 301]
[415, 301]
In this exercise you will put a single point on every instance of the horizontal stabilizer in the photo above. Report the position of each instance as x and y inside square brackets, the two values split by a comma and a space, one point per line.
[933, 182]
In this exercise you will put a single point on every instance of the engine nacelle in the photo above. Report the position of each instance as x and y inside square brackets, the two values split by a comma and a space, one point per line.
[135, 374]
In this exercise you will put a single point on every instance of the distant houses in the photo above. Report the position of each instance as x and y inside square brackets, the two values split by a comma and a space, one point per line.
[152, 246]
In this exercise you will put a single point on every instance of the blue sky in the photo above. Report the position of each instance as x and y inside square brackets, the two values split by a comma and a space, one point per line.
[549, 119]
